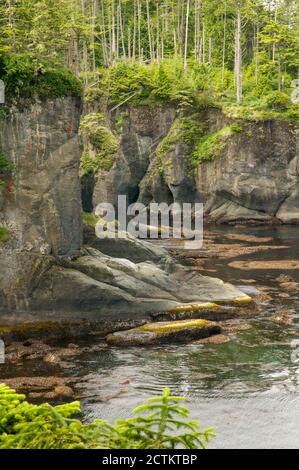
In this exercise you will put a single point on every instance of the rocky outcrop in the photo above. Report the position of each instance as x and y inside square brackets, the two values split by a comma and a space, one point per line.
[41, 204]
[243, 171]
[164, 332]
[256, 177]
[140, 130]
[41, 141]
[45, 269]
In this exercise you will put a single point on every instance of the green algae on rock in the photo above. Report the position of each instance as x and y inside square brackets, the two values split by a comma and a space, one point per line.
[164, 332]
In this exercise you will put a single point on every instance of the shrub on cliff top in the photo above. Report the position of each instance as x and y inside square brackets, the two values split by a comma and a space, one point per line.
[162, 423]
[26, 76]
[277, 100]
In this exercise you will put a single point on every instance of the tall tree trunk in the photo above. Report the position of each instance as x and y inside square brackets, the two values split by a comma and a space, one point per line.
[186, 34]
[224, 46]
[121, 27]
[279, 69]
[256, 64]
[197, 13]
[210, 51]
[238, 57]
[139, 12]
[203, 42]
[149, 32]
[113, 37]
[158, 32]
[164, 29]
[85, 50]
[93, 46]
[134, 31]
[103, 35]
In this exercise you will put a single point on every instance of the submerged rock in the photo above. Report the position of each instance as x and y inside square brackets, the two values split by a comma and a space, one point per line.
[282, 317]
[164, 332]
[43, 387]
[216, 339]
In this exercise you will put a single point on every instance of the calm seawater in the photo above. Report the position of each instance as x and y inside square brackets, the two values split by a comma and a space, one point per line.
[247, 389]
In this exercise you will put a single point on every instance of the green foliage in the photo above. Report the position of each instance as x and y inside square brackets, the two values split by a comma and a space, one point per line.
[170, 140]
[156, 84]
[5, 165]
[259, 111]
[26, 76]
[164, 426]
[102, 145]
[4, 235]
[162, 423]
[90, 219]
[236, 128]
[4, 113]
[211, 145]
[277, 100]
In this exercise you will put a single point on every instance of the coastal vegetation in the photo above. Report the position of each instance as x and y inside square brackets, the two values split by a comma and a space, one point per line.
[162, 423]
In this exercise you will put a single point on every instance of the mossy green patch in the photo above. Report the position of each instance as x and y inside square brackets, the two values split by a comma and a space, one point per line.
[242, 300]
[5, 165]
[169, 142]
[188, 129]
[168, 327]
[102, 146]
[211, 145]
[4, 235]
[90, 219]
[195, 307]
[28, 327]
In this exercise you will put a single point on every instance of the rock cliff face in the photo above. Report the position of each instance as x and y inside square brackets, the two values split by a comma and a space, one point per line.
[250, 176]
[42, 143]
[256, 177]
[141, 131]
[45, 270]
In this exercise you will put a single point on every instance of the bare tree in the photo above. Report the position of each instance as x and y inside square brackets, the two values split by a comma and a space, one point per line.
[238, 54]
[186, 34]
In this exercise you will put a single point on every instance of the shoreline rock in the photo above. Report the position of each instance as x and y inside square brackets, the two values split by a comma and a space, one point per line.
[164, 332]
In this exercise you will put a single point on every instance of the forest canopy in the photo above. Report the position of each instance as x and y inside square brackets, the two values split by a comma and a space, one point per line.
[242, 48]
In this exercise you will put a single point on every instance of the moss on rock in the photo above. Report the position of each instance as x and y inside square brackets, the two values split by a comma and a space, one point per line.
[4, 235]
[164, 332]
[211, 145]
[168, 327]
[101, 144]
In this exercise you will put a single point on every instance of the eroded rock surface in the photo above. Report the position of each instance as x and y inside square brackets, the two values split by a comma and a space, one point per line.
[44, 269]
[254, 177]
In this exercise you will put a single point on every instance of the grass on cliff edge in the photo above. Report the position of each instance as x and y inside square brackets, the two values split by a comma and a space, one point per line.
[26, 76]
[161, 423]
